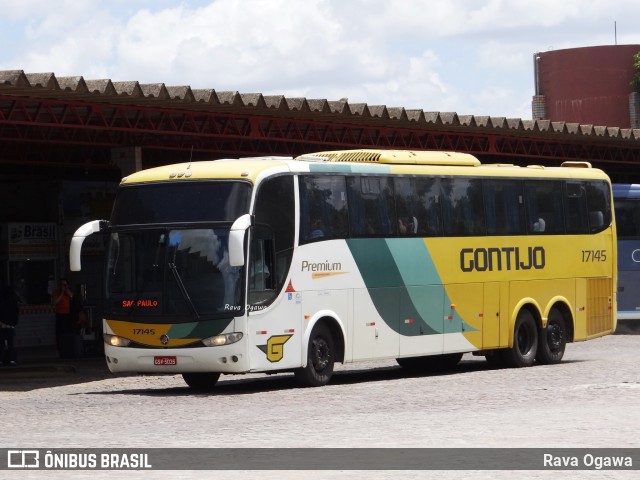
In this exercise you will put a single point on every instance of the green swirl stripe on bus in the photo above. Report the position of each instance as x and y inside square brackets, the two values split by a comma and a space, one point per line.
[198, 329]
[410, 294]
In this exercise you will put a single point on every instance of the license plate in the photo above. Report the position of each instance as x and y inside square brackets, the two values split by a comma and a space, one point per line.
[165, 360]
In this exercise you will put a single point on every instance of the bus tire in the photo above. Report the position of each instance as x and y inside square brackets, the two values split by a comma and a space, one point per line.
[320, 358]
[552, 339]
[201, 382]
[525, 342]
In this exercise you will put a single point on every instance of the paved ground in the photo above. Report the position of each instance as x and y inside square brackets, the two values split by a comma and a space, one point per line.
[590, 400]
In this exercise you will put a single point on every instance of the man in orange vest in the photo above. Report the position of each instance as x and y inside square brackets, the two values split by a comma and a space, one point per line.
[61, 301]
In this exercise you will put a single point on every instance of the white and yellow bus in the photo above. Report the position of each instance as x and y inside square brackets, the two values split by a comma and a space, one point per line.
[280, 264]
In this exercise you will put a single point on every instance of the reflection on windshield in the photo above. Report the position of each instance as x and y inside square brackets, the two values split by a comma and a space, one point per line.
[172, 272]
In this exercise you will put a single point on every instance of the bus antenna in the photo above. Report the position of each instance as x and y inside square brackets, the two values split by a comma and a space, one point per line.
[190, 158]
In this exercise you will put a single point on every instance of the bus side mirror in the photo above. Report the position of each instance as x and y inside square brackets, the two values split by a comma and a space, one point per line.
[236, 240]
[78, 239]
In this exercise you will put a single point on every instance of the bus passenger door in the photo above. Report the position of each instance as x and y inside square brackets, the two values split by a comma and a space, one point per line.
[421, 320]
[274, 318]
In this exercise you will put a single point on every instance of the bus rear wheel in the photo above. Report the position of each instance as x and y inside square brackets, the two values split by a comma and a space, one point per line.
[553, 339]
[320, 358]
[525, 342]
[201, 382]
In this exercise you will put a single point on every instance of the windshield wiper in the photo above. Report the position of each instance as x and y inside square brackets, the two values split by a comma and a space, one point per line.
[183, 289]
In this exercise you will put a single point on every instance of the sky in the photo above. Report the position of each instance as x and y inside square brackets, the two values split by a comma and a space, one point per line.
[472, 57]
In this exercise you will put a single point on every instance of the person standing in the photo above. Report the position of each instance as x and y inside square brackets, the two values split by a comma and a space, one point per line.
[61, 300]
[9, 314]
[79, 318]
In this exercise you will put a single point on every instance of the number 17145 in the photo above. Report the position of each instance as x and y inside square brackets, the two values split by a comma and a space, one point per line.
[594, 256]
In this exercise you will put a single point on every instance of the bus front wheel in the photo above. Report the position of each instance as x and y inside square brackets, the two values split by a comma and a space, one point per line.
[525, 342]
[320, 358]
[553, 339]
[202, 382]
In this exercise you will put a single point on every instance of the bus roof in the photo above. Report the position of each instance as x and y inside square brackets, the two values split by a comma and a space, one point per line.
[396, 157]
[248, 169]
[438, 163]
[362, 161]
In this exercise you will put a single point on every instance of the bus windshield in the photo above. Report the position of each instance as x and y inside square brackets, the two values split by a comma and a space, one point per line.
[170, 273]
[168, 256]
[186, 202]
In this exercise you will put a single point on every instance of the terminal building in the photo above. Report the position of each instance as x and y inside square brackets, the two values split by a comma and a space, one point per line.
[65, 143]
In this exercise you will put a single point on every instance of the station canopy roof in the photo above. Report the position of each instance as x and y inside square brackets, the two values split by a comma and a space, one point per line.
[287, 122]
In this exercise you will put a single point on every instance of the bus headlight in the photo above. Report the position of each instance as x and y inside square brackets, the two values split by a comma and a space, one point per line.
[224, 339]
[115, 340]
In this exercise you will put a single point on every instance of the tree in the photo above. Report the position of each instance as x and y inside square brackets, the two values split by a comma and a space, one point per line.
[635, 82]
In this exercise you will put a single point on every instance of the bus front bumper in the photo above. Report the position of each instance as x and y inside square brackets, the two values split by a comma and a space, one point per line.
[223, 359]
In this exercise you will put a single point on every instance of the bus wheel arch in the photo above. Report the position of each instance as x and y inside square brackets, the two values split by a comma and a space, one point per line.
[569, 319]
[320, 357]
[524, 343]
[335, 328]
[555, 336]
[338, 337]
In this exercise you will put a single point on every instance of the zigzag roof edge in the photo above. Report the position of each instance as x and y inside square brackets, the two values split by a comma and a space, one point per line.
[20, 80]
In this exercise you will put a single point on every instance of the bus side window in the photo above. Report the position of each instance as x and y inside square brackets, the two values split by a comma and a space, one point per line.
[262, 285]
[627, 211]
[462, 207]
[406, 203]
[575, 205]
[323, 208]
[504, 202]
[417, 207]
[371, 207]
[599, 205]
[543, 202]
